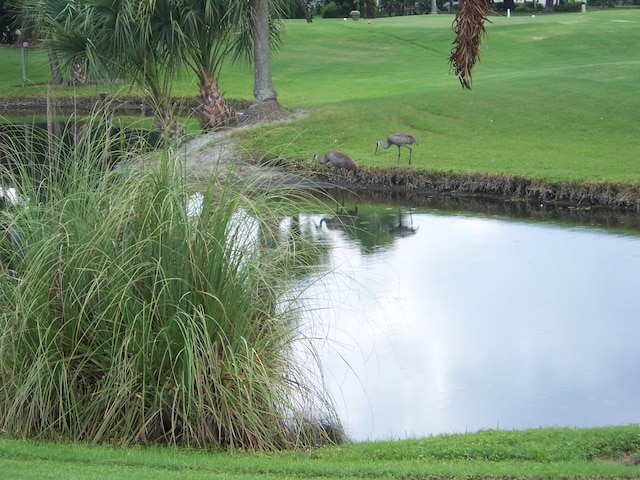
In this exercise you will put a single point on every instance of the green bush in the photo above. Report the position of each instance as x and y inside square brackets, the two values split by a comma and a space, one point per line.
[568, 7]
[133, 317]
[529, 7]
[330, 10]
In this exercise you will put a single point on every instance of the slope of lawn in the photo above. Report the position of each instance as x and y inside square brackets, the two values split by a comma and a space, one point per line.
[554, 96]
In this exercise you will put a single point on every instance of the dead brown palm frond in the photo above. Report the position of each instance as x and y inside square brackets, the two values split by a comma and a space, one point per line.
[469, 28]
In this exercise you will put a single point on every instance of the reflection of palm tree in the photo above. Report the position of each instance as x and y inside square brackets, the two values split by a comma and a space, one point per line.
[400, 230]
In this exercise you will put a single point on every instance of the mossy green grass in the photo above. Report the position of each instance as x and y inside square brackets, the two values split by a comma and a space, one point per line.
[544, 453]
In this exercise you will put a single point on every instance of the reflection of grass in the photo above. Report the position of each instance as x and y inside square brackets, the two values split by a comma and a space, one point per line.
[544, 453]
[131, 321]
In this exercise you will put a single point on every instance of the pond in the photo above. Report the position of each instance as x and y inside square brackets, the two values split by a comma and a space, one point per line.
[434, 318]
[449, 315]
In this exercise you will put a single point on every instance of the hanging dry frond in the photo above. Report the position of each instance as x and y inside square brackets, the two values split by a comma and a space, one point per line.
[469, 28]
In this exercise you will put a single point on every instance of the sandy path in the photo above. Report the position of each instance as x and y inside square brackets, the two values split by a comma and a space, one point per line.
[214, 153]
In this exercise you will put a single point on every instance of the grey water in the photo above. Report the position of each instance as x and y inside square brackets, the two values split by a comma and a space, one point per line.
[429, 321]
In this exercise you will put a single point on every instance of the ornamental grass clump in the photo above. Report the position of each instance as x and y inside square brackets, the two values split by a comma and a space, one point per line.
[135, 315]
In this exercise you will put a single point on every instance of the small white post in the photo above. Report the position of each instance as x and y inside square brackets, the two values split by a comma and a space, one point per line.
[509, 12]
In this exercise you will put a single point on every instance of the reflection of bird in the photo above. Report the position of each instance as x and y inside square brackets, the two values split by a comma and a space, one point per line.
[400, 230]
[340, 221]
[399, 140]
[338, 160]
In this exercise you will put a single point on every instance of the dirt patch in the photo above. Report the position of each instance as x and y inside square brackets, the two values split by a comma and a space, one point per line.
[215, 153]
[628, 459]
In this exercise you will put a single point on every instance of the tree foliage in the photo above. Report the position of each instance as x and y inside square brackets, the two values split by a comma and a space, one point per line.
[9, 25]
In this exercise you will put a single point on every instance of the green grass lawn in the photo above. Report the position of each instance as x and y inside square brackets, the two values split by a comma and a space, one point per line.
[554, 96]
[544, 453]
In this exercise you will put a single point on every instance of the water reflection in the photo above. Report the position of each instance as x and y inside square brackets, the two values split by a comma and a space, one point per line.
[466, 321]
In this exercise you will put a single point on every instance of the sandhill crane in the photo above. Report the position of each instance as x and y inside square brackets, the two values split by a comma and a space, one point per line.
[399, 140]
[338, 159]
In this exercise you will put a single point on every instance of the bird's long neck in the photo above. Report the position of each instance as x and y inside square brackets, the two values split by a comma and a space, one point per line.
[384, 145]
[322, 160]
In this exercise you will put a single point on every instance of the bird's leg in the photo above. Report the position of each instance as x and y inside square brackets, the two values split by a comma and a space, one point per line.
[398, 154]
[410, 152]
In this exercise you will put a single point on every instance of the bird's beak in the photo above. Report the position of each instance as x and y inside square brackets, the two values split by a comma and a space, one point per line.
[377, 145]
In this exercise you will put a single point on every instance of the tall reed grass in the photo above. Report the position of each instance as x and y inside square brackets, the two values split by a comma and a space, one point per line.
[131, 317]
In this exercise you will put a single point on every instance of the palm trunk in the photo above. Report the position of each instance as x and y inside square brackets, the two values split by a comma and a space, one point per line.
[263, 90]
[214, 109]
[305, 9]
[78, 74]
[54, 65]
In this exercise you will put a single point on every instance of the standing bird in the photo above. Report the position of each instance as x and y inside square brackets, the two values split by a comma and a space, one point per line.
[338, 160]
[399, 140]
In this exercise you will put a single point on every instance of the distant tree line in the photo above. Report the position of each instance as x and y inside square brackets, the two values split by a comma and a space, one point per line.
[9, 26]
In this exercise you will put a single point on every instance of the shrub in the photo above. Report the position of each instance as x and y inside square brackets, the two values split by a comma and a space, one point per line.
[330, 10]
[568, 7]
[529, 7]
[134, 317]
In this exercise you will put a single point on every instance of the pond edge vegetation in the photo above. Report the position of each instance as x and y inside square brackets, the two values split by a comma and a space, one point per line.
[413, 182]
[134, 315]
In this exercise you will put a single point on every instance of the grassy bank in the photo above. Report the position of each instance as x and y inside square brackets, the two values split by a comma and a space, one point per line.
[544, 453]
[552, 102]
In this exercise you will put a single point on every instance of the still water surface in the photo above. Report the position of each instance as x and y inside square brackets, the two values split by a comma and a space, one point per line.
[455, 322]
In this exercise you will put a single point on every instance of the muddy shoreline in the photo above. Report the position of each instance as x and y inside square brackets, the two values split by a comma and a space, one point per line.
[420, 183]
[625, 197]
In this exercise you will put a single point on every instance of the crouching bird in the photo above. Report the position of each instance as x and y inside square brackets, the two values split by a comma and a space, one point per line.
[339, 160]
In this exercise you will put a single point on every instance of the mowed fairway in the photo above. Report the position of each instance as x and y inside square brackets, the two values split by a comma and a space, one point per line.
[554, 96]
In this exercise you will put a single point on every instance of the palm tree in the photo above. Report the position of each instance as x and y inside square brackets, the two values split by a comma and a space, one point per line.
[262, 27]
[42, 20]
[209, 40]
[263, 90]
[127, 39]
